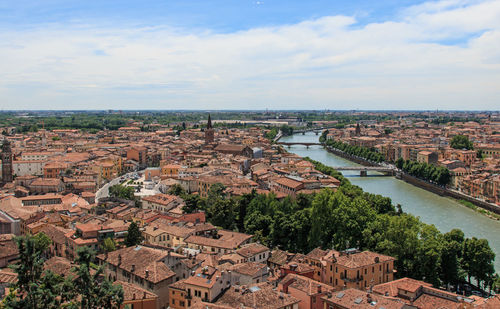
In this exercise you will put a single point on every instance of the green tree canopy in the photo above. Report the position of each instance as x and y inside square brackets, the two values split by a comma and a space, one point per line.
[461, 142]
[122, 192]
[134, 235]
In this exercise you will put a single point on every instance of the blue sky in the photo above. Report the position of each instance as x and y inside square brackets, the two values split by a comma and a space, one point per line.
[217, 15]
[250, 54]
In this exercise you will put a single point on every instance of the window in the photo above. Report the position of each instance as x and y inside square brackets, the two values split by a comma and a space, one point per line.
[365, 271]
[173, 301]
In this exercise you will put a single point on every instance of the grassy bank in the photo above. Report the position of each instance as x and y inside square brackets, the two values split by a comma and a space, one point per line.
[480, 210]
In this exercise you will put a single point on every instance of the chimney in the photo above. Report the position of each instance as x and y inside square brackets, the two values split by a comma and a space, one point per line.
[133, 296]
[144, 297]
[133, 268]
[147, 273]
[319, 288]
[369, 298]
[119, 259]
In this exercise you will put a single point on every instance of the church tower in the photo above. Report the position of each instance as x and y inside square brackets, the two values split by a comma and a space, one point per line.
[209, 132]
[358, 130]
[6, 162]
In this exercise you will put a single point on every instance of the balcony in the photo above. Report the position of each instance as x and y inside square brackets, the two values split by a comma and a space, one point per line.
[347, 279]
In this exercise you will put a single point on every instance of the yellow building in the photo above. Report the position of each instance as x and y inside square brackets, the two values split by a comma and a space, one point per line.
[170, 170]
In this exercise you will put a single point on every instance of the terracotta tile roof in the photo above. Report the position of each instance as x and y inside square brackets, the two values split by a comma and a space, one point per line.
[162, 199]
[248, 268]
[426, 301]
[279, 257]
[59, 265]
[317, 254]
[362, 259]
[306, 285]
[8, 276]
[287, 182]
[179, 285]
[353, 299]
[8, 249]
[134, 292]
[251, 249]
[406, 284]
[228, 240]
[146, 263]
[260, 296]
[204, 279]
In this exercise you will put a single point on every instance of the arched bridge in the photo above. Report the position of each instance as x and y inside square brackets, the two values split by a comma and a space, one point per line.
[298, 143]
[363, 170]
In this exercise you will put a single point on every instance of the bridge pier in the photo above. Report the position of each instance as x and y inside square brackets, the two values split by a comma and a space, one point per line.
[363, 173]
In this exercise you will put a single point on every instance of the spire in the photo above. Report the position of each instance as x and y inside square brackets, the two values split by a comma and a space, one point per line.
[209, 123]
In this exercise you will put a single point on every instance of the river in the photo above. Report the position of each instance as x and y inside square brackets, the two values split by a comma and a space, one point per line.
[443, 212]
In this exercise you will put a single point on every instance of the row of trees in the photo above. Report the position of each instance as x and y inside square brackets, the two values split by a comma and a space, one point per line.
[363, 152]
[438, 174]
[37, 288]
[347, 218]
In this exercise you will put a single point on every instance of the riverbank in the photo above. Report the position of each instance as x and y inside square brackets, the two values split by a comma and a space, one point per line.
[442, 211]
[482, 211]
[487, 207]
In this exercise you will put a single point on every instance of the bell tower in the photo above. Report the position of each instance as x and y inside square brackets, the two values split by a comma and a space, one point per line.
[209, 132]
[6, 162]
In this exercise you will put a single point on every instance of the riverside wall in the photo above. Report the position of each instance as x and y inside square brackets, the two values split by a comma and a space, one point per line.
[446, 192]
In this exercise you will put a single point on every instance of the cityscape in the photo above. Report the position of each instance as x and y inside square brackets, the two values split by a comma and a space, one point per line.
[250, 154]
[221, 213]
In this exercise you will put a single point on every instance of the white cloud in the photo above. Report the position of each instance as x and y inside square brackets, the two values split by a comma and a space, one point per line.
[321, 63]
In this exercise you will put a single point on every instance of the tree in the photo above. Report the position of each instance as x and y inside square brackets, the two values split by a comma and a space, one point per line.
[478, 259]
[192, 203]
[461, 142]
[480, 154]
[322, 138]
[176, 190]
[35, 287]
[496, 283]
[451, 253]
[216, 191]
[120, 191]
[109, 245]
[222, 213]
[94, 289]
[134, 235]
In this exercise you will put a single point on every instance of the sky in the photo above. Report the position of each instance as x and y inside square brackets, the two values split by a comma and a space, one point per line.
[239, 54]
